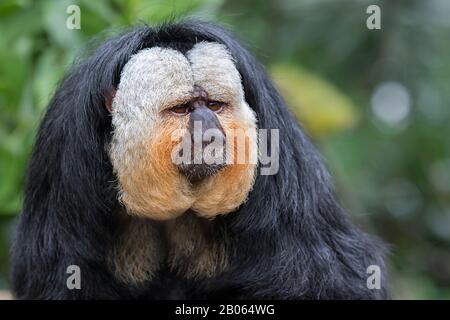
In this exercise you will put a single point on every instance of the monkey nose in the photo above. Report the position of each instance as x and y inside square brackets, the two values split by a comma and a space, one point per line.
[204, 129]
[204, 125]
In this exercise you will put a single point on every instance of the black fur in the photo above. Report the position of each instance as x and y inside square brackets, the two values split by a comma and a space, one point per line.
[291, 240]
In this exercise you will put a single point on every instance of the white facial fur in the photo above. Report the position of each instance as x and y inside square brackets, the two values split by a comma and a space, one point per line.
[151, 80]
[214, 70]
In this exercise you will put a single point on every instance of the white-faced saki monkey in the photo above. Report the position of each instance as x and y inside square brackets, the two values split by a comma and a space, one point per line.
[106, 197]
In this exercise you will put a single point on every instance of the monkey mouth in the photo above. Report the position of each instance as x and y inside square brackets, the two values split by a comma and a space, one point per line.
[198, 172]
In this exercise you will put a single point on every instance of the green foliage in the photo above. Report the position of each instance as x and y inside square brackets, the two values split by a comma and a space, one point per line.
[35, 50]
[393, 176]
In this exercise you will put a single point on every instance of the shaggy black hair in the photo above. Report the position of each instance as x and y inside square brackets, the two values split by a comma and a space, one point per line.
[290, 240]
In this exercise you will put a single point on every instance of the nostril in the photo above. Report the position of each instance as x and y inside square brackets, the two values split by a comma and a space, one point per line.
[212, 135]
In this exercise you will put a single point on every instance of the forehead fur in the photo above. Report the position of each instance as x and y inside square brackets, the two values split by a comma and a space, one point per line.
[151, 79]
[156, 78]
[214, 70]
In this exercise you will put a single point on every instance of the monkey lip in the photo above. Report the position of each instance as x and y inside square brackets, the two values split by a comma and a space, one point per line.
[197, 172]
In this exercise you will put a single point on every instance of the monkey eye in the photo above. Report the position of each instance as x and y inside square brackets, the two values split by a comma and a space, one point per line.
[215, 106]
[180, 109]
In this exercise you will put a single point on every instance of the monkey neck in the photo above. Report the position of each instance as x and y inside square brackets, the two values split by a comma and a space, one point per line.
[196, 246]
[190, 246]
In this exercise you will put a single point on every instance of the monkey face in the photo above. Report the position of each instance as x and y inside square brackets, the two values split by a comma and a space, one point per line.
[165, 105]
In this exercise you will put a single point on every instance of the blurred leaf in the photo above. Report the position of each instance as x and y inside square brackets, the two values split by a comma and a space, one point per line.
[161, 10]
[21, 22]
[321, 107]
[13, 73]
[46, 77]
[11, 171]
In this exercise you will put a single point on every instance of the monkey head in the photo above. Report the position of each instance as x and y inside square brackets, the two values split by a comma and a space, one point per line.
[167, 103]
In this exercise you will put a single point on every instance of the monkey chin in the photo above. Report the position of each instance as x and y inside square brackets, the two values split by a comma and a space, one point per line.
[152, 186]
[225, 192]
[215, 195]
[160, 192]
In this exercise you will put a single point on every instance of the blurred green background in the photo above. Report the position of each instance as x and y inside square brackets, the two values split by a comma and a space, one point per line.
[376, 102]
